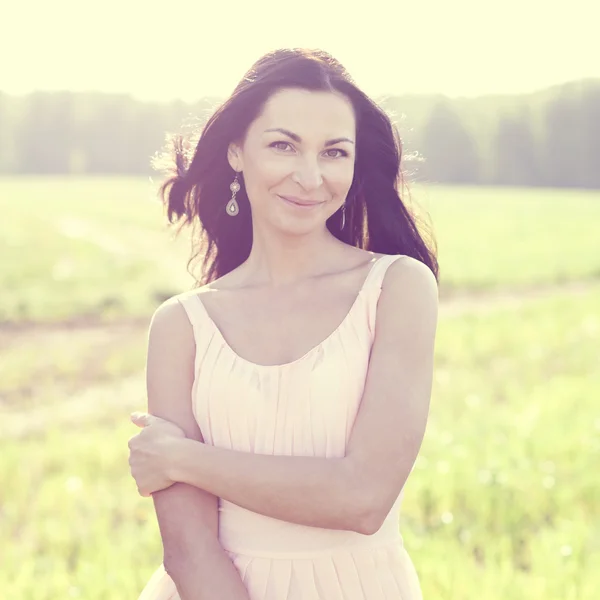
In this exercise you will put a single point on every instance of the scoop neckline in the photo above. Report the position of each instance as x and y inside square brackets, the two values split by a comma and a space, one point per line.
[309, 352]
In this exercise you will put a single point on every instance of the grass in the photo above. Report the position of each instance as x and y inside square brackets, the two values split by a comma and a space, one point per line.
[492, 238]
[503, 501]
[89, 249]
[98, 248]
[504, 488]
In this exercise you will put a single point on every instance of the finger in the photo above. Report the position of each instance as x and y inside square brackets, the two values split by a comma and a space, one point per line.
[141, 419]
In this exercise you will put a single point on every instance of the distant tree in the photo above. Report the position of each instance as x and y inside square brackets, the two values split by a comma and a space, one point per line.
[147, 133]
[590, 152]
[450, 153]
[44, 137]
[107, 134]
[4, 134]
[514, 152]
[551, 137]
[562, 149]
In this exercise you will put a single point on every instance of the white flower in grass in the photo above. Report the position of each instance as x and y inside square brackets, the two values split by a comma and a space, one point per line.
[443, 466]
[447, 518]
[73, 484]
[566, 550]
[548, 482]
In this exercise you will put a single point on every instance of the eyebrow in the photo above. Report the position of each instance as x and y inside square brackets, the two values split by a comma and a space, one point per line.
[298, 139]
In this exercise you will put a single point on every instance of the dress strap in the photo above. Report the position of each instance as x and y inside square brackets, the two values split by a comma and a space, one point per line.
[378, 270]
[193, 307]
[373, 290]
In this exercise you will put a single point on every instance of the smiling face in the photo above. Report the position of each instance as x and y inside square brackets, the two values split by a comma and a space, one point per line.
[297, 160]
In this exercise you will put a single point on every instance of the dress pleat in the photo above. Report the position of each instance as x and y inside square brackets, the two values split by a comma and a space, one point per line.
[306, 407]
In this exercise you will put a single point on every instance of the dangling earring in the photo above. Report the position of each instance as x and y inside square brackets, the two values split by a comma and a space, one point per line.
[343, 216]
[233, 207]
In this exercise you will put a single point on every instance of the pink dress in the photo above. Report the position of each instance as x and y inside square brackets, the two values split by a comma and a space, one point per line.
[302, 408]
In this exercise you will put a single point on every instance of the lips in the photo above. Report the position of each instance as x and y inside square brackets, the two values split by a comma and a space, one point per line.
[299, 201]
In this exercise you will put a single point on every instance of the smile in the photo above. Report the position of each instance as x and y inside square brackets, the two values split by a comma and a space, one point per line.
[304, 205]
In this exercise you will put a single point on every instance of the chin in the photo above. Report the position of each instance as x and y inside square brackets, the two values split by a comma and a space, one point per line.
[299, 226]
[297, 229]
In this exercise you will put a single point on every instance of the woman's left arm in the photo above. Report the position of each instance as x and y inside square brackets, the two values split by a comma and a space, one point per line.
[357, 491]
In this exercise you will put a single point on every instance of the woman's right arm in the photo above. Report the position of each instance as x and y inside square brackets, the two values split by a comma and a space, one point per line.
[188, 517]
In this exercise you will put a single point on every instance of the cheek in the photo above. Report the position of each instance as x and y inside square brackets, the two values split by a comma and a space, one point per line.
[341, 177]
[263, 176]
[268, 167]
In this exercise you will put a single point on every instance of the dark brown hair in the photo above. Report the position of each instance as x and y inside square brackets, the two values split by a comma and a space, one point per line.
[196, 190]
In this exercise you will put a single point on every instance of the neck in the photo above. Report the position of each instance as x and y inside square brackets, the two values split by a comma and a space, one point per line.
[278, 262]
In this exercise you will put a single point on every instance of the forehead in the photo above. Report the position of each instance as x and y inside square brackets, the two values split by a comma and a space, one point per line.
[324, 113]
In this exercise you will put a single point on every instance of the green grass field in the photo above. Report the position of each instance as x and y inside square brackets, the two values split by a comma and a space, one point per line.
[503, 502]
[99, 247]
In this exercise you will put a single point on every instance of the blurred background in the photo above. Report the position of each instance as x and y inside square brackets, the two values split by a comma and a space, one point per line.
[498, 106]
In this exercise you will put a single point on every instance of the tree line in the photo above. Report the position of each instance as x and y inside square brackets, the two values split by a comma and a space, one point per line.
[548, 138]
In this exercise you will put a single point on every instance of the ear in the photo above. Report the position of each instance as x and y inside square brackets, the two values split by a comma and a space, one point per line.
[234, 156]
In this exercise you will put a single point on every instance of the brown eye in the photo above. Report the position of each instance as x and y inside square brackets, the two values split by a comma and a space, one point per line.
[275, 144]
[342, 152]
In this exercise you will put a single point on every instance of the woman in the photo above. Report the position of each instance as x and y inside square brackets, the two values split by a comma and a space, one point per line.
[288, 395]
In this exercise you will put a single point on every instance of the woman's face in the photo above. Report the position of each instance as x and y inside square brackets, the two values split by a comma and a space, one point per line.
[298, 160]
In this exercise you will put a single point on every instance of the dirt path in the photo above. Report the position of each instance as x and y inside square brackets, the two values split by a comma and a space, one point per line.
[463, 303]
[106, 400]
[452, 304]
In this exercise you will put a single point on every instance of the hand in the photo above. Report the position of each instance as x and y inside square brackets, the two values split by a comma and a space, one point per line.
[150, 452]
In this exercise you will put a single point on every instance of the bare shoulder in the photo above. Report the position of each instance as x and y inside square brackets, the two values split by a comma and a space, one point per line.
[409, 290]
[171, 322]
[412, 275]
[170, 366]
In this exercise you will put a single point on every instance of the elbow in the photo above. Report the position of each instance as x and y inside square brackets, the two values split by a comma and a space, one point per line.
[369, 522]
[368, 516]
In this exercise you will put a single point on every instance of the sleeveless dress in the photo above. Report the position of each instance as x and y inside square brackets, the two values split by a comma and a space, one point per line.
[302, 408]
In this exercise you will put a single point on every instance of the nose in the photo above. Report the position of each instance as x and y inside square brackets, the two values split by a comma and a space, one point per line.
[308, 174]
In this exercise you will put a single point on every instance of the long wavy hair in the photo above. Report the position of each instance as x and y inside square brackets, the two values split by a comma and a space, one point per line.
[196, 189]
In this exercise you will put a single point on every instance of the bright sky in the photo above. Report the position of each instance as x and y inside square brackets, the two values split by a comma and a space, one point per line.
[189, 49]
